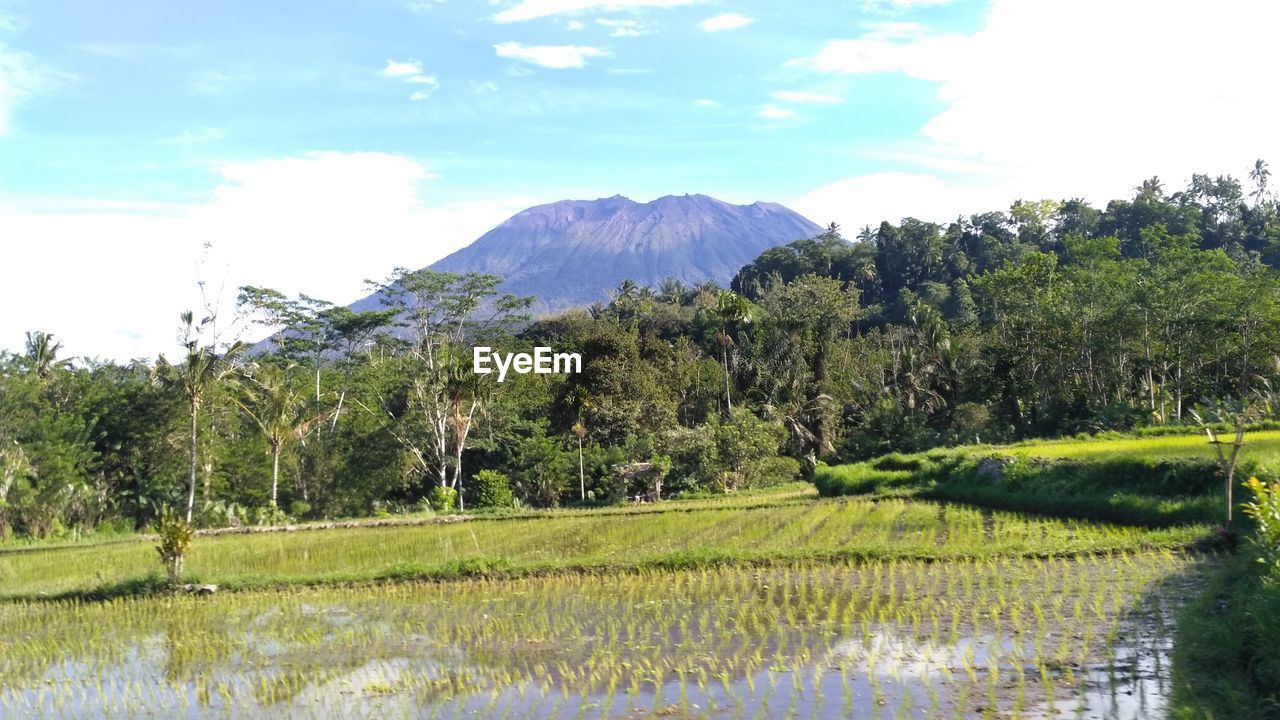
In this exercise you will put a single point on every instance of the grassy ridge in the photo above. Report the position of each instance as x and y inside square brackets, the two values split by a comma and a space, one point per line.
[1160, 481]
[822, 529]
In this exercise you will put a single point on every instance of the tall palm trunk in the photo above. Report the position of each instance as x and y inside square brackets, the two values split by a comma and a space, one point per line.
[582, 478]
[275, 473]
[191, 480]
[728, 397]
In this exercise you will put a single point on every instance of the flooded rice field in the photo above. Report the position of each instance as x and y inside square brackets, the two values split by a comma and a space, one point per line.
[1055, 638]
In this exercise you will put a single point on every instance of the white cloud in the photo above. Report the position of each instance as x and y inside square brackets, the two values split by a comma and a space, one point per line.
[319, 223]
[195, 136]
[900, 5]
[410, 71]
[1030, 112]
[726, 21]
[806, 98]
[559, 57]
[220, 83]
[575, 25]
[706, 103]
[773, 112]
[534, 9]
[421, 7]
[21, 78]
[623, 28]
[402, 68]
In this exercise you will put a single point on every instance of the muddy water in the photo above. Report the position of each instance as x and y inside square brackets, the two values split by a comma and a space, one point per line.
[1083, 638]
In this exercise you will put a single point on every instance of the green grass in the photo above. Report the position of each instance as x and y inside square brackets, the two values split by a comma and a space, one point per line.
[683, 536]
[1260, 447]
[1158, 481]
[1227, 648]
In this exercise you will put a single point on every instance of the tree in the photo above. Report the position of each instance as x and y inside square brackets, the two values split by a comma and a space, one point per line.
[201, 369]
[1260, 175]
[42, 354]
[807, 316]
[732, 309]
[580, 432]
[278, 410]
[432, 414]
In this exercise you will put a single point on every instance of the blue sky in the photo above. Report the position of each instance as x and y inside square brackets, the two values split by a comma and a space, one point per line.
[309, 146]
[146, 98]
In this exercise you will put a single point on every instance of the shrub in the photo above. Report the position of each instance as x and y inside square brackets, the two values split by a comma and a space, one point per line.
[493, 490]
[443, 499]
[271, 515]
[175, 540]
[770, 471]
[1264, 509]
[300, 508]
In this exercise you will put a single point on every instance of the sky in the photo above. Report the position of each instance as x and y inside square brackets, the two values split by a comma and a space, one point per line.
[156, 156]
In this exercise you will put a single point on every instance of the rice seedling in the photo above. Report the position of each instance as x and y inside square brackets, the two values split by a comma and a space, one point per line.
[898, 637]
[836, 529]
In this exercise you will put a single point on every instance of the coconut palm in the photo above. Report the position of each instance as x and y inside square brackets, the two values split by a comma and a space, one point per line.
[732, 309]
[42, 354]
[200, 371]
[272, 402]
[1260, 174]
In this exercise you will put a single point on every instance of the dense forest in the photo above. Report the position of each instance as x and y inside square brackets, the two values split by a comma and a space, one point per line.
[1052, 318]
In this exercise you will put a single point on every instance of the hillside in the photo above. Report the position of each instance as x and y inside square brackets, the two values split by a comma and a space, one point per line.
[574, 252]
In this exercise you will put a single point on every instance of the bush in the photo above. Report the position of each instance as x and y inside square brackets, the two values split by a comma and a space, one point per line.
[770, 471]
[175, 539]
[300, 508]
[271, 515]
[492, 490]
[443, 499]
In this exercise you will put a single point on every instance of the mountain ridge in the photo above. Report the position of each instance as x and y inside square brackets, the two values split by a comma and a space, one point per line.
[571, 253]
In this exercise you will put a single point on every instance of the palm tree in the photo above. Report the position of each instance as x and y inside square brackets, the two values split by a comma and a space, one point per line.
[580, 430]
[672, 291]
[42, 354]
[200, 372]
[731, 308]
[276, 407]
[1260, 174]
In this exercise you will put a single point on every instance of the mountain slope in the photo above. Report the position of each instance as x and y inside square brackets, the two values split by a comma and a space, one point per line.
[572, 253]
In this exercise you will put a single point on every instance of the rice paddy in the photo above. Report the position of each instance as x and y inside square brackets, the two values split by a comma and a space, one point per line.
[770, 606]
[998, 637]
[826, 529]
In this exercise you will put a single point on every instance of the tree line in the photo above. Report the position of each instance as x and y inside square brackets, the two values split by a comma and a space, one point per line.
[1051, 318]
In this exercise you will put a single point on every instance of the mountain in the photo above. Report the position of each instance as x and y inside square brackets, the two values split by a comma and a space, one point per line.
[574, 252]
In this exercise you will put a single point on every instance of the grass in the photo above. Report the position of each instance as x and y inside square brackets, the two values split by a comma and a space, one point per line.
[1227, 651]
[700, 535]
[1260, 447]
[1154, 481]
[995, 637]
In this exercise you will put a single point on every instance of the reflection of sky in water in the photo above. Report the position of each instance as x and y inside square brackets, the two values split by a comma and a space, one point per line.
[893, 671]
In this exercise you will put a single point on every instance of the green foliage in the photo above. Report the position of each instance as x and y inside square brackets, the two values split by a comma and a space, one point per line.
[175, 536]
[492, 490]
[1051, 319]
[1226, 654]
[443, 499]
[542, 468]
[1264, 510]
